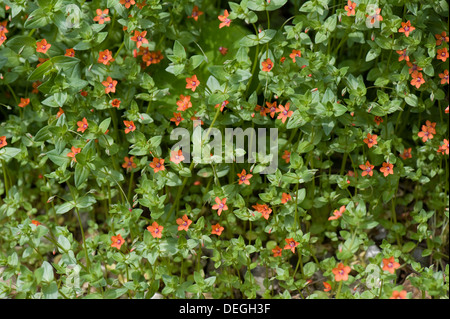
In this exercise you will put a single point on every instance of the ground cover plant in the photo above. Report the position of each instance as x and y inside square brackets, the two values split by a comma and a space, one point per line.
[95, 202]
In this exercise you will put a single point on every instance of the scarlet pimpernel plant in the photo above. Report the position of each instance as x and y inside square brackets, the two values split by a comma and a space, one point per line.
[278, 149]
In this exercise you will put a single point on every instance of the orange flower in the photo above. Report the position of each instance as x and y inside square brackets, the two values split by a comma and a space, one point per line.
[192, 83]
[74, 152]
[403, 55]
[115, 103]
[371, 140]
[157, 165]
[60, 112]
[82, 125]
[444, 77]
[110, 85]
[337, 213]
[430, 126]
[285, 197]
[222, 105]
[2, 38]
[378, 120]
[439, 38]
[327, 286]
[139, 38]
[417, 80]
[286, 156]
[223, 50]
[284, 112]
[153, 57]
[367, 169]
[129, 126]
[176, 118]
[142, 4]
[442, 54]
[42, 46]
[102, 16]
[271, 108]
[3, 141]
[3, 28]
[387, 169]
[105, 57]
[244, 177]
[350, 8]
[375, 17]
[262, 111]
[291, 244]
[277, 251]
[176, 156]
[155, 230]
[427, 133]
[389, 264]
[35, 222]
[413, 67]
[35, 86]
[183, 223]
[127, 3]
[195, 13]
[267, 65]
[295, 54]
[24, 102]
[184, 103]
[117, 241]
[398, 294]
[70, 52]
[129, 164]
[341, 272]
[406, 28]
[220, 205]
[225, 22]
[217, 229]
[406, 153]
[443, 149]
[263, 209]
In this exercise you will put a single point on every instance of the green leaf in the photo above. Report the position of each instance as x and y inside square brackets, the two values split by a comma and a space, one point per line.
[64, 243]
[81, 174]
[50, 290]
[115, 293]
[64, 208]
[17, 43]
[179, 51]
[58, 159]
[37, 19]
[373, 54]
[41, 71]
[406, 248]
[104, 125]
[262, 37]
[262, 5]
[47, 275]
[411, 100]
[6, 153]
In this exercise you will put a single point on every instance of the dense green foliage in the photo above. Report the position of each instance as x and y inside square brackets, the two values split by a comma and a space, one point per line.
[95, 205]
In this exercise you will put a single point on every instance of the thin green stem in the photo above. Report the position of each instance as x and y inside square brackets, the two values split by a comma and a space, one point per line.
[299, 263]
[5, 178]
[84, 239]
[130, 186]
[339, 289]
